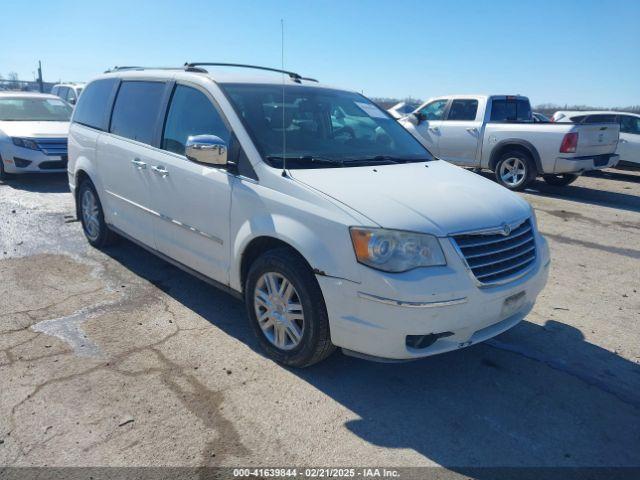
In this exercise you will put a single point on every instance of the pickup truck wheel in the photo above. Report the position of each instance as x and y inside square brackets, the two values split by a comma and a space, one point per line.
[561, 180]
[92, 217]
[286, 309]
[515, 170]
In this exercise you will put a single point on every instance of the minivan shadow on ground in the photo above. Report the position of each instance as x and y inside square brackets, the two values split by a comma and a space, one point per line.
[535, 396]
[38, 182]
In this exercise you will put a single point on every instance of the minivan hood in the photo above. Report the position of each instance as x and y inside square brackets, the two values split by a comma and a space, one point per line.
[35, 129]
[433, 197]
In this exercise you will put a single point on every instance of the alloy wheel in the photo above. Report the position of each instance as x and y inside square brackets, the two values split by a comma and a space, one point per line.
[279, 310]
[90, 214]
[513, 171]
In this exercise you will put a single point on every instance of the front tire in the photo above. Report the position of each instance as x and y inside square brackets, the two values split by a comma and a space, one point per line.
[286, 309]
[515, 170]
[561, 180]
[92, 216]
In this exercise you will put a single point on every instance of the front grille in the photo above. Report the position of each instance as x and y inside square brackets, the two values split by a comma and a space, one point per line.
[495, 257]
[52, 146]
[53, 165]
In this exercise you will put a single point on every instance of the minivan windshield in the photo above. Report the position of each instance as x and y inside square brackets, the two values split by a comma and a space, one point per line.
[34, 109]
[318, 127]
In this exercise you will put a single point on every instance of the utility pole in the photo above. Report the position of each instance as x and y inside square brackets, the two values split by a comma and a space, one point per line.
[40, 77]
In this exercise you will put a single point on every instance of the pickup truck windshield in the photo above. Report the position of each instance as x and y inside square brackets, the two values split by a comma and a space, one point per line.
[27, 109]
[317, 127]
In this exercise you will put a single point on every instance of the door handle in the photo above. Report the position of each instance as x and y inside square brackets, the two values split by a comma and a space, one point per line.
[434, 129]
[472, 130]
[622, 140]
[140, 165]
[160, 170]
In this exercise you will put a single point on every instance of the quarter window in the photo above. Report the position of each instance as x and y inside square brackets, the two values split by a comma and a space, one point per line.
[434, 110]
[629, 124]
[463, 110]
[92, 109]
[136, 110]
[191, 113]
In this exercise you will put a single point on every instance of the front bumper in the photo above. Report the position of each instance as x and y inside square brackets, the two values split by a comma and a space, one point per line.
[426, 301]
[584, 164]
[24, 160]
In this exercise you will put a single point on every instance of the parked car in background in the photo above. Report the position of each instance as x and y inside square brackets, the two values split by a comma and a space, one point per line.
[629, 143]
[69, 92]
[540, 118]
[497, 132]
[402, 109]
[335, 224]
[33, 133]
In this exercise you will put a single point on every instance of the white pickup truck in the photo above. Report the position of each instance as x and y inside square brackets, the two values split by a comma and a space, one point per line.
[497, 133]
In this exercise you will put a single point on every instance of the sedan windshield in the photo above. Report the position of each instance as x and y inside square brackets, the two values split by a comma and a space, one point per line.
[317, 127]
[34, 109]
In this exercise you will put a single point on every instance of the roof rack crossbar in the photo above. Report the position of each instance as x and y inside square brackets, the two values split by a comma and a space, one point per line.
[193, 66]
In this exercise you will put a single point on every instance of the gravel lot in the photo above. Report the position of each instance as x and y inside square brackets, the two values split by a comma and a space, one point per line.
[117, 358]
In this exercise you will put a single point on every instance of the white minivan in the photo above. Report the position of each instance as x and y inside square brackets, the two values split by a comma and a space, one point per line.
[336, 226]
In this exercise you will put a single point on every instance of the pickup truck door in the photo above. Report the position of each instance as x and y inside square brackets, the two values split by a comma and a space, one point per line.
[430, 122]
[460, 133]
[629, 143]
[193, 200]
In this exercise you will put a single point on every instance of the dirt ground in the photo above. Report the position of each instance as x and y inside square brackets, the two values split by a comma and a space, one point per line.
[117, 358]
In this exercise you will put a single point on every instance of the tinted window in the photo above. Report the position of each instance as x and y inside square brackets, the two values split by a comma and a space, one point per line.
[601, 119]
[511, 110]
[136, 109]
[62, 92]
[191, 113]
[629, 124]
[54, 91]
[71, 95]
[578, 119]
[463, 110]
[434, 110]
[92, 108]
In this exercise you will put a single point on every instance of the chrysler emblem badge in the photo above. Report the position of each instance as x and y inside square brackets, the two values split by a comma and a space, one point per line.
[506, 229]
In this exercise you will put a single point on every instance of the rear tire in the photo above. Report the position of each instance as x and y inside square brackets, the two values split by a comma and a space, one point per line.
[92, 216]
[515, 170]
[286, 309]
[560, 180]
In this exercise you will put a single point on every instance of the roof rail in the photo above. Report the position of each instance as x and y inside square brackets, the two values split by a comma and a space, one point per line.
[121, 69]
[194, 67]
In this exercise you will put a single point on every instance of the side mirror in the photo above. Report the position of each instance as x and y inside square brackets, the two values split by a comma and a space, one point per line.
[72, 101]
[208, 149]
[420, 117]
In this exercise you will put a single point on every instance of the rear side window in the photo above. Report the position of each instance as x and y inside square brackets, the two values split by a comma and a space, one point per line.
[629, 124]
[578, 119]
[136, 110]
[511, 110]
[191, 113]
[601, 119]
[463, 110]
[92, 109]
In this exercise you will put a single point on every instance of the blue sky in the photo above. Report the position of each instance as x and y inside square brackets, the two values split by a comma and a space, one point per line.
[560, 51]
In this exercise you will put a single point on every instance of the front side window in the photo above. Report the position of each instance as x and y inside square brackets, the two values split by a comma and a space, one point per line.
[434, 110]
[463, 110]
[136, 110]
[191, 113]
[510, 110]
[629, 124]
[315, 127]
[34, 109]
[92, 108]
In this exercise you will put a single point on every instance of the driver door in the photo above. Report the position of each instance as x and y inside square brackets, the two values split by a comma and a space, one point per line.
[432, 115]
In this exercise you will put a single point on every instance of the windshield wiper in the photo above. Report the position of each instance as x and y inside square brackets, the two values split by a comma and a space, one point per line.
[307, 159]
[384, 159]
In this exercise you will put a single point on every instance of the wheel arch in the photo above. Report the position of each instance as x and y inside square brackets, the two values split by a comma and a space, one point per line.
[515, 144]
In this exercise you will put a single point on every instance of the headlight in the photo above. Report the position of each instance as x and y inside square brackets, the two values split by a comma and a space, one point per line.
[25, 143]
[395, 250]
